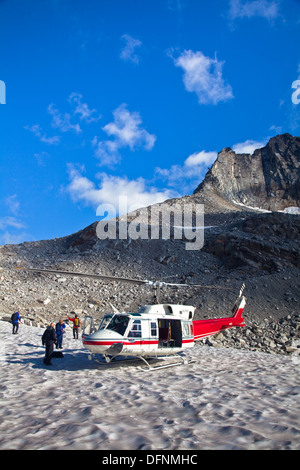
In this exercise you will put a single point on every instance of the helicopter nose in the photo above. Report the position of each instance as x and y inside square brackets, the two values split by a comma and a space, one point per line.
[100, 341]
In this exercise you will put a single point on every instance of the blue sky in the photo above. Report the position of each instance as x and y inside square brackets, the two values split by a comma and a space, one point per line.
[109, 98]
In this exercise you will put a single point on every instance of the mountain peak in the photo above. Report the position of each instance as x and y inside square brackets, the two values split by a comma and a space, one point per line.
[267, 179]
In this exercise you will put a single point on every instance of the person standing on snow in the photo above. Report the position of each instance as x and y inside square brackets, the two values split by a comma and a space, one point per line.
[60, 329]
[15, 319]
[49, 338]
[76, 324]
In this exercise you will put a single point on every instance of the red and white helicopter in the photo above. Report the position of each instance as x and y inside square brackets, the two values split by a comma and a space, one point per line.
[154, 331]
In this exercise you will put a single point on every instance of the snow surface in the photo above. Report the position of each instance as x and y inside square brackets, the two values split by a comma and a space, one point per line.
[226, 399]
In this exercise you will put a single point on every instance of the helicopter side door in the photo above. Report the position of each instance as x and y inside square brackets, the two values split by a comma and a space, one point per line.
[143, 334]
[169, 333]
[88, 326]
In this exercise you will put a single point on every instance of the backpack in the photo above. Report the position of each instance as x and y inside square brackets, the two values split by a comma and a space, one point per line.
[14, 317]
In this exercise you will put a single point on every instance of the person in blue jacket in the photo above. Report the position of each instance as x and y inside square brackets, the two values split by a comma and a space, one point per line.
[15, 319]
[60, 329]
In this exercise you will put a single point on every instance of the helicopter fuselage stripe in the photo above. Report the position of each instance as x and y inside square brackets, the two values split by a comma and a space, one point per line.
[128, 343]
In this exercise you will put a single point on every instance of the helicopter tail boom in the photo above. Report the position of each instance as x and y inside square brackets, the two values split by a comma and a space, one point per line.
[203, 328]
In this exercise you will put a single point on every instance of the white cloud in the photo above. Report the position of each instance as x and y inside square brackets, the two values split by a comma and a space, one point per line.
[201, 158]
[111, 188]
[12, 229]
[9, 221]
[185, 178]
[175, 5]
[85, 113]
[249, 146]
[106, 151]
[41, 157]
[8, 238]
[126, 131]
[268, 9]
[128, 51]
[13, 204]
[62, 121]
[203, 76]
[38, 132]
[276, 129]
[11, 226]
[81, 188]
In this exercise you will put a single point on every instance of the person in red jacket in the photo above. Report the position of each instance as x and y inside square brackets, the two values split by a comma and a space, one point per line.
[76, 325]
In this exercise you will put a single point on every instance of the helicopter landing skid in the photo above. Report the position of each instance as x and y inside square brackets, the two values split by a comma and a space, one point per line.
[180, 361]
[119, 361]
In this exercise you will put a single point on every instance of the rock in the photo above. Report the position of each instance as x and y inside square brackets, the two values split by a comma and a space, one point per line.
[45, 301]
[166, 259]
[250, 244]
[78, 311]
[94, 301]
[292, 349]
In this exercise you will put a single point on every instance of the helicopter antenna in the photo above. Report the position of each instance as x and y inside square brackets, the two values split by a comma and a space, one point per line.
[241, 290]
[114, 308]
[234, 308]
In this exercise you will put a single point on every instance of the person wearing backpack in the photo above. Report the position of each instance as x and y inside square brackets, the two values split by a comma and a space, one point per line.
[76, 324]
[15, 319]
[60, 329]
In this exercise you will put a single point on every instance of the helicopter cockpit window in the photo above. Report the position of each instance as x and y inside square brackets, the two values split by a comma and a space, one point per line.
[105, 321]
[118, 323]
[136, 329]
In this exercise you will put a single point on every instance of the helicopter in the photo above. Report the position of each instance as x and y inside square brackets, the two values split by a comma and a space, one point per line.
[157, 330]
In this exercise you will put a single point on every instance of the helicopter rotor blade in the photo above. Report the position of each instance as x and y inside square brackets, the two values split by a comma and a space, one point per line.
[197, 285]
[92, 276]
[121, 279]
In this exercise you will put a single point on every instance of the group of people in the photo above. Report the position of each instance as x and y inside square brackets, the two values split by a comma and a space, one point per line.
[53, 335]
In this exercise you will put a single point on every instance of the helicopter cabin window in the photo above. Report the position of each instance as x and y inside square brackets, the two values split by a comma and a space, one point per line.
[143, 309]
[136, 329]
[153, 329]
[186, 329]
